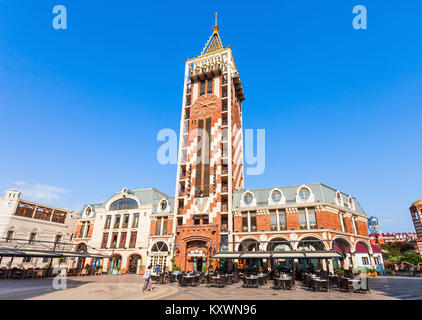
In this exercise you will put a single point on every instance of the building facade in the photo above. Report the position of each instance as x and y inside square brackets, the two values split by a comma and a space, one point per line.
[416, 213]
[125, 228]
[34, 226]
[213, 211]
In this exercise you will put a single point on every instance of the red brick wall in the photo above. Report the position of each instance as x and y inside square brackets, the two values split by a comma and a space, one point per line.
[362, 228]
[237, 224]
[263, 222]
[78, 230]
[292, 221]
[348, 227]
[328, 220]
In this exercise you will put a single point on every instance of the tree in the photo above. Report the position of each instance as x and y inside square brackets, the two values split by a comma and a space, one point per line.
[411, 257]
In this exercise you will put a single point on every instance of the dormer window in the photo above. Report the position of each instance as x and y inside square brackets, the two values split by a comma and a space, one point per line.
[163, 204]
[247, 198]
[276, 196]
[304, 194]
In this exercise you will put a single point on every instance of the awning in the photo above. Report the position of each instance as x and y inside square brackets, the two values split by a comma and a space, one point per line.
[322, 255]
[226, 255]
[278, 255]
[255, 255]
[288, 255]
[39, 253]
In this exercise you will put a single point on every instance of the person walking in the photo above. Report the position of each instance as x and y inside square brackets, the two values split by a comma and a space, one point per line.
[148, 279]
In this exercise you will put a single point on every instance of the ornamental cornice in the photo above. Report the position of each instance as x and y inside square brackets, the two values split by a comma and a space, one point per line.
[292, 210]
[319, 208]
[237, 213]
[262, 212]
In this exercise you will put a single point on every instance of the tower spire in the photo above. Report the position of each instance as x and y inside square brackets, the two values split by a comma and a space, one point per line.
[214, 42]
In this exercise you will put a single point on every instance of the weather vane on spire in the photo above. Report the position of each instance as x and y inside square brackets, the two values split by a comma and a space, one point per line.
[215, 28]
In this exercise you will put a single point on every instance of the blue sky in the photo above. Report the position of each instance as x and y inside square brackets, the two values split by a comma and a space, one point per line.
[80, 108]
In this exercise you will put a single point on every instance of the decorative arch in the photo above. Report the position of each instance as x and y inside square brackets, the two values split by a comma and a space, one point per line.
[304, 194]
[342, 243]
[247, 243]
[159, 247]
[81, 247]
[304, 237]
[129, 260]
[279, 243]
[123, 203]
[366, 245]
[276, 194]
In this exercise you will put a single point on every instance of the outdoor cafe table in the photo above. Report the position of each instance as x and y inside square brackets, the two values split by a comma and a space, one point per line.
[283, 280]
[189, 277]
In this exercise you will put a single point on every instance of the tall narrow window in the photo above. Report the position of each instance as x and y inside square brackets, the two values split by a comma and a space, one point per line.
[165, 222]
[273, 220]
[135, 220]
[125, 220]
[158, 227]
[9, 236]
[196, 220]
[58, 238]
[312, 218]
[302, 219]
[245, 222]
[209, 86]
[253, 221]
[202, 88]
[282, 218]
[117, 222]
[104, 240]
[123, 236]
[114, 240]
[107, 222]
[132, 242]
[204, 219]
[32, 237]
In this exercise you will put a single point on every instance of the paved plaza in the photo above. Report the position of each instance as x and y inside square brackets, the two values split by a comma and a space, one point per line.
[129, 287]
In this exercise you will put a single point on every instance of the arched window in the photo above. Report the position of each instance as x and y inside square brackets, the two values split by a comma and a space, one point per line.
[124, 204]
[304, 193]
[338, 196]
[247, 198]
[159, 246]
[276, 196]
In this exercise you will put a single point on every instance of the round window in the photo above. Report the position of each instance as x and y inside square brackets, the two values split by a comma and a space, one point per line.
[276, 196]
[163, 205]
[248, 198]
[304, 194]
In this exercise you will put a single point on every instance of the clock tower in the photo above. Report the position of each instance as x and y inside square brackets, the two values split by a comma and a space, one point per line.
[210, 159]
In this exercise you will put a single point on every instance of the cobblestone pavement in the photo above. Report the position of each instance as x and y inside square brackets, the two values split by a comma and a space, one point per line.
[124, 287]
[129, 287]
[381, 288]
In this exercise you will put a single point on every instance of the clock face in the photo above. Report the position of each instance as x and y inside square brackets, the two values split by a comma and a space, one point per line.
[205, 105]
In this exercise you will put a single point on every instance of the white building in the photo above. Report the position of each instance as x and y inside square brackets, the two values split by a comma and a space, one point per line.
[120, 228]
[34, 228]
